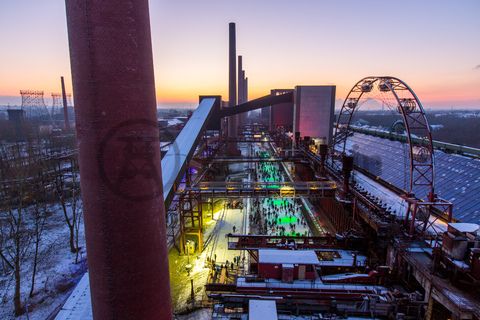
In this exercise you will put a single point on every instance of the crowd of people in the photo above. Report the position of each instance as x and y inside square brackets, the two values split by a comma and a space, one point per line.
[227, 268]
[281, 217]
[268, 216]
[269, 172]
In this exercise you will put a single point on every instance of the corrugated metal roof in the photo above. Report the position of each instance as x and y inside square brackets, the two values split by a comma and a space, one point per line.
[287, 256]
[457, 178]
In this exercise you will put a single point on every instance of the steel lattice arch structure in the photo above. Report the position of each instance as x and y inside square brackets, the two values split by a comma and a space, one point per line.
[417, 130]
[400, 97]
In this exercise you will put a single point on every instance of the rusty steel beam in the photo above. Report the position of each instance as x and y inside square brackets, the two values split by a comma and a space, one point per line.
[262, 102]
[113, 81]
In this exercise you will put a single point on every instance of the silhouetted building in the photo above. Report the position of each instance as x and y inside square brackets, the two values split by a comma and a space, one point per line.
[314, 111]
[16, 117]
[281, 115]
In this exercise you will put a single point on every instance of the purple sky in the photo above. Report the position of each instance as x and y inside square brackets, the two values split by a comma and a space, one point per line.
[433, 45]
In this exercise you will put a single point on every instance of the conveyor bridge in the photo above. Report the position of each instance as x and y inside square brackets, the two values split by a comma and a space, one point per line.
[248, 189]
[255, 242]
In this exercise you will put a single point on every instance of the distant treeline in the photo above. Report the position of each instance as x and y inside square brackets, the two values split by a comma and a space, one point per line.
[171, 113]
[458, 127]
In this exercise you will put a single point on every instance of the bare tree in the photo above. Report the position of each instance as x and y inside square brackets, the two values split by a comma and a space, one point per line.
[32, 175]
[16, 187]
[77, 211]
[38, 212]
[39, 219]
[16, 249]
[67, 190]
[7, 266]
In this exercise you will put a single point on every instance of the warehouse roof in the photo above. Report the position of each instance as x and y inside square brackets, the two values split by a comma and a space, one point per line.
[457, 178]
[287, 256]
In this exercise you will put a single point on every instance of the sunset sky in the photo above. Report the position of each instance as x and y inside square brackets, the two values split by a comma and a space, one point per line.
[433, 45]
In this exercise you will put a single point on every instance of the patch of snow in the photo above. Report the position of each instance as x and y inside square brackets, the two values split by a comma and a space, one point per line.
[465, 227]
[287, 256]
[78, 305]
[262, 310]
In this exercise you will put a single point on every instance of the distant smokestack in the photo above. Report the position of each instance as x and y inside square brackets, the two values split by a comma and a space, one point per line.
[65, 106]
[232, 83]
[232, 56]
[242, 118]
[245, 93]
[240, 80]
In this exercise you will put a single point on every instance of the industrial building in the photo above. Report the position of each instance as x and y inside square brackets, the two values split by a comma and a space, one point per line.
[290, 215]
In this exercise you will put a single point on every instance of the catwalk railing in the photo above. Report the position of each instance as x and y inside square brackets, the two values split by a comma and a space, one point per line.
[259, 189]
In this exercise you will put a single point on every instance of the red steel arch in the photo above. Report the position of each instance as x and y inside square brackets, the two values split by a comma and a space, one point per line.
[417, 130]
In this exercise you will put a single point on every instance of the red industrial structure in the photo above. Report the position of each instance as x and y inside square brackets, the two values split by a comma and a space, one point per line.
[354, 255]
[116, 125]
[287, 265]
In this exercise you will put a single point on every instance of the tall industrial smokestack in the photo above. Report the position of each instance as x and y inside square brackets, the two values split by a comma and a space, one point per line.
[244, 83]
[242, 118]
[117, 131]
[65, 106]
[240, 80]
[232, 56]
[232, 74]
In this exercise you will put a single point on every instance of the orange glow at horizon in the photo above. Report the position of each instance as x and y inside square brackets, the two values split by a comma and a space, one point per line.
[301, 43]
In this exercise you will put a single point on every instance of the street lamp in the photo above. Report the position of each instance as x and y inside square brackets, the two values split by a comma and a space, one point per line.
[189, 246]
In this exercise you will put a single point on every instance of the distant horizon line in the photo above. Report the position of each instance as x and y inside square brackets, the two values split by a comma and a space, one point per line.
[338, 103]
[194, 106]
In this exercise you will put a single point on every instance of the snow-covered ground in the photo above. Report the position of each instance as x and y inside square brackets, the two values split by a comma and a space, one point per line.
[215, 248]
[56, 277]
[219, 247]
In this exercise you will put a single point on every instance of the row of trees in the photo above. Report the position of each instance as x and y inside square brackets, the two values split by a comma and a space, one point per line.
[38, 178]
[455, 127]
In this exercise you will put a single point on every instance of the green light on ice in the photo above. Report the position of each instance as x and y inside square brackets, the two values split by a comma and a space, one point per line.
[279, 202]
[288, 220]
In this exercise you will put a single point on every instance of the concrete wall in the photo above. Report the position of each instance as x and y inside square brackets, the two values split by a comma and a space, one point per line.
[314, 111]
[274, 271]
[265, 116]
